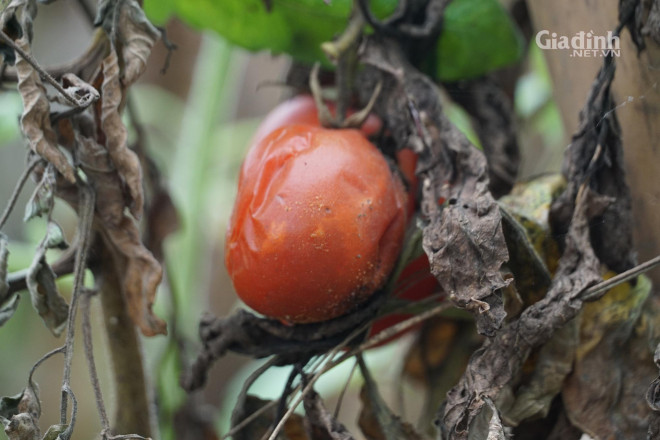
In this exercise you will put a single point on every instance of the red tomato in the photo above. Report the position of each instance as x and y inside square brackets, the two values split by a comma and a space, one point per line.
[302, 110]
[317, 225]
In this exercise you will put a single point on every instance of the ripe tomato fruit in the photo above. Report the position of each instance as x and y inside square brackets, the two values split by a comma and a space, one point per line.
[302, 109]
[317, 225]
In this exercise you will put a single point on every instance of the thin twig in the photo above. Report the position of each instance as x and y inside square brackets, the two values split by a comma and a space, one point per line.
[43, 359]
[243, 393]
[594, 292]
[17, 190]
[344, 389]
[89, 355]
[86, 218]
[45, 75]
[368, 344]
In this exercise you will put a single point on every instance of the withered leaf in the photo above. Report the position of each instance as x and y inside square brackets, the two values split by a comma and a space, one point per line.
[135, 33]
[43, 198]
[376, 420]
[606, 402]
[83, 92]
[596, 154]
[141, 271]
[116, 135]
[35, 120]
[138, 36]
[7, 309]
[321, 424]
[20, 415]
[438, 358]
[463, 237]
[293, 428]
[46, 300]
[500, 359]
[532, 398]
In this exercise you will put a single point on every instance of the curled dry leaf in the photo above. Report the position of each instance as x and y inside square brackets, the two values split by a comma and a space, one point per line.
[463, 236]
[83, 92]
[141, 271]
[596, 153]
[35, 120]
[46, 300]
[132, 32]
[532, 398]
[20, 415]
[500, 360]
[261, 425]
[116, 135]
[320, 423]
[377, 421]
[438, 358]
[137, 36]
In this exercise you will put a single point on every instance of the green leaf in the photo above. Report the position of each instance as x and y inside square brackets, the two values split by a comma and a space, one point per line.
[478, 35]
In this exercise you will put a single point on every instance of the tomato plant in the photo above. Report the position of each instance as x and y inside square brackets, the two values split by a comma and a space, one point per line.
[317, 225]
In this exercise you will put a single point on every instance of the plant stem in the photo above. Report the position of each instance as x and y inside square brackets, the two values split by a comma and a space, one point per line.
[132, 407]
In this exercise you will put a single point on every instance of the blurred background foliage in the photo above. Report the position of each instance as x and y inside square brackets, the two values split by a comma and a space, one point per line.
[198, 119]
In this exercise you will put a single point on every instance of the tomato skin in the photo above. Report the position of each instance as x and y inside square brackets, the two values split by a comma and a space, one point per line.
[317, 226]
[302, 109]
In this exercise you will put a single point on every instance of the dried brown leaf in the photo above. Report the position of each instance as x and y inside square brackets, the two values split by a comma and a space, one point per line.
[376, 420]
[83, 92]
[596, 154]
[141, 271]
[321, 424]
[137, 36]
[438, 358]
[614, 364]
[35, 120]
[463, 237]
[532, 398]
[20, 415]
[50, 305]
[259, 426]
[116, 135]
[500, 360]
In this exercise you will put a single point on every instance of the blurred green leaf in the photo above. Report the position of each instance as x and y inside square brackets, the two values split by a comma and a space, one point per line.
[10, 110]
[478, 35]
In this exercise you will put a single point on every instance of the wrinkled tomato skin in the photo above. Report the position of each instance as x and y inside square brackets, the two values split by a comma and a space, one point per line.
[301, 109]
[317, 225]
